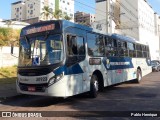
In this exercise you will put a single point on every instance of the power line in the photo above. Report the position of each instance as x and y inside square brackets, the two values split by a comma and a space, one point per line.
[112, 16]
[127, 10]
[131, 5]
[100, 10]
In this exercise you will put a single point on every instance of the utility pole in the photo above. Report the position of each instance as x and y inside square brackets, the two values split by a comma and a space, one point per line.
[107, 16]
[159, 38]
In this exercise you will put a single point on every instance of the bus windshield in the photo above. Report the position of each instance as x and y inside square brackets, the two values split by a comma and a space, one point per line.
[40, 51]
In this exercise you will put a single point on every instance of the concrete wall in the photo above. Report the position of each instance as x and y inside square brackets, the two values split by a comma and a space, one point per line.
[6, 59]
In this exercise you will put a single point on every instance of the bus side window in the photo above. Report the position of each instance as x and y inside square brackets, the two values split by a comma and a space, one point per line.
[147, 49]
[80, 46]
[121, 48]
[125, 49]
[109, 46]
[139, 51]
[72, 45]
[131, 48]
[114, 48]
[75, 45]
[134, 51]
[75, 49]
[95, 45]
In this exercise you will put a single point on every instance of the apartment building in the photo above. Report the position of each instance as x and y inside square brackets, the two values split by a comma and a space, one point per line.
[67, 7]
[18, 11]
[141, 22]
[84, 18]
[30, 10]
[134, 18]
[34, 8]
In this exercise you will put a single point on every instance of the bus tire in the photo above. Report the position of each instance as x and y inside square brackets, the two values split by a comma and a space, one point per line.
[139, 75]
[94, 86]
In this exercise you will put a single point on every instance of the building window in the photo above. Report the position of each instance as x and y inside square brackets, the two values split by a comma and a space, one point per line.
[31, 12]
[17, 9]
[31, 6]
[71, 15]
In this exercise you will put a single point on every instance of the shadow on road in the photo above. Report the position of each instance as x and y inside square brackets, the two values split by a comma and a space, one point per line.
[126, 97]
[43, 101]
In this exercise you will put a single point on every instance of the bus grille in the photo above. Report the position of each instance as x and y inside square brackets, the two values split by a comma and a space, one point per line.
[32, 72]
[38, 87]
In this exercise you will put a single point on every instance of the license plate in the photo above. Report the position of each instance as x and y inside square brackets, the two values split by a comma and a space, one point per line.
[31, 89]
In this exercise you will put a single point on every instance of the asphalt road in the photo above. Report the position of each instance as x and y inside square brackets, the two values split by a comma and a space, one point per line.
[125, 97]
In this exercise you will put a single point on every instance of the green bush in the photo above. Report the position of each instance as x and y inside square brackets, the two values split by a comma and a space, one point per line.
[9, 36]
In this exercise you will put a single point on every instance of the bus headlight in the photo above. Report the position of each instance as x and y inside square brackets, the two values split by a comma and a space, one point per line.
[55, 79]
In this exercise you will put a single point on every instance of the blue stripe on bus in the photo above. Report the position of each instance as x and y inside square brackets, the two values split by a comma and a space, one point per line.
[114, 63]
[74, 69]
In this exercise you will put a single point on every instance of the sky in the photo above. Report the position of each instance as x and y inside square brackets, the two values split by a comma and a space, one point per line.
[80, 5]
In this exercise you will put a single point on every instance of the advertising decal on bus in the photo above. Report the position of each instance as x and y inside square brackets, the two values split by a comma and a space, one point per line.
[113, 63]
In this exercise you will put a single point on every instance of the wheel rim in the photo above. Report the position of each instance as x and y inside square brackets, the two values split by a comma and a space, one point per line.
[96, 85]
[139, 75]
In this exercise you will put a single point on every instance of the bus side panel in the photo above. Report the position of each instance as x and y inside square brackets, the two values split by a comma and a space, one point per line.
[144, 64]
[74, 84]
[77, 83]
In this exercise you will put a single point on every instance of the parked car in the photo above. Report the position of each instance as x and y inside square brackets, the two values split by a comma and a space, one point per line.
[156, 61]
[155, 65]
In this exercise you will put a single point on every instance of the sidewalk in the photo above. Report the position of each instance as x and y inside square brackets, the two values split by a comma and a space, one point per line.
[8, 90]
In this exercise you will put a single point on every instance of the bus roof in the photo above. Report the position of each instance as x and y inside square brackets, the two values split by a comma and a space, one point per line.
[124, 38]
[36, 27]
[66, 24]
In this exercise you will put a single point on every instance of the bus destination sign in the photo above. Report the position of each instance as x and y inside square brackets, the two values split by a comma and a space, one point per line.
[40, 29]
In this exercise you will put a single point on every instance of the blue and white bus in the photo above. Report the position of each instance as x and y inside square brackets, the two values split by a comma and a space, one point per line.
[62, 59]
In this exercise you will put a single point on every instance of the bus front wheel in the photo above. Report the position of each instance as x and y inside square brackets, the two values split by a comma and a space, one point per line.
[94, 86]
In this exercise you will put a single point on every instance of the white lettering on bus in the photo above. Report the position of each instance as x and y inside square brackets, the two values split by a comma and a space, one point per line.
[119, 63]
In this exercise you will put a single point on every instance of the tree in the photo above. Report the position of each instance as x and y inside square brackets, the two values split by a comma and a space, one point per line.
[9, 36]
[57, 14]
[47, 12]
[66, 17]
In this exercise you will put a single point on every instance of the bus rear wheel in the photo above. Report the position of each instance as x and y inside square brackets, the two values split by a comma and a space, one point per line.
[94, 86]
